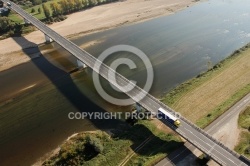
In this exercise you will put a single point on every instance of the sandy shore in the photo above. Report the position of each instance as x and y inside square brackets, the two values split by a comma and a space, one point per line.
[89, 21]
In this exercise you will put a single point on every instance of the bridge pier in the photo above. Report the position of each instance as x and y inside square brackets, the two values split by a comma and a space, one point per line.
[47, 39]
[80, 64]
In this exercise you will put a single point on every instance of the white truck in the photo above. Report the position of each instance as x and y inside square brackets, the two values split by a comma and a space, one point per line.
[169, 117]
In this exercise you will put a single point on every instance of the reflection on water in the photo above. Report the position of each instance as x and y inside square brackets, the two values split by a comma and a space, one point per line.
[179, 46]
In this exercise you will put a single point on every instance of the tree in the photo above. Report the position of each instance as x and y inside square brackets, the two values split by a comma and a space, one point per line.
[39, 10]
[32, 10]
[100, 2]
[71, 5]
[78, 5]
[46, 11]
[95, 142]
[56, 9]
[37, 2]
[92, 3]
[85, 3]
[64, 6]
[5, 24]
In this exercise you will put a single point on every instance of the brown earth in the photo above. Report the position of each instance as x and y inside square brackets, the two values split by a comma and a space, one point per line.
[89, 21]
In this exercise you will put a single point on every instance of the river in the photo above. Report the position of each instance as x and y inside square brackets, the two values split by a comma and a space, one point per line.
[180, 46]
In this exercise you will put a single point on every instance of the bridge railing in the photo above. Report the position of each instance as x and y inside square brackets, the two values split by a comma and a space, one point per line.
[244, 159]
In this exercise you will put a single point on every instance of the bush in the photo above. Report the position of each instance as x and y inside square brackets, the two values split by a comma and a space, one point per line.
[11, 33]
[96, 143]
[39, 10]
[32, 10]
[5, 25]
[37, 2]
[247, 150]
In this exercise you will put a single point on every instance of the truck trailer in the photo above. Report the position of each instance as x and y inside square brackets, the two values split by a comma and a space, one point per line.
[163, 114]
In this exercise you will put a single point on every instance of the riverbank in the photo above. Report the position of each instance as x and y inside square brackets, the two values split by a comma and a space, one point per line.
[90, 21]
[117, 147]
[206, 97]
[210, 94]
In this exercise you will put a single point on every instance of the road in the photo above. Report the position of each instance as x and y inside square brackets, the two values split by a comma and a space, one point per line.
[214, 127]
[188, 130]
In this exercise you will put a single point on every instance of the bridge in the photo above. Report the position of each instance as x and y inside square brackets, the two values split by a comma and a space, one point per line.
[196, 136]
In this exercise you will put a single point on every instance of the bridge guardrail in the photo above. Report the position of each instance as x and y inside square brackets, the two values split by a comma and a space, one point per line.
[244, 159]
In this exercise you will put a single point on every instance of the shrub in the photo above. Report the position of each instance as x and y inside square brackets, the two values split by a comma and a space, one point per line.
[247, 150]
[96, 143]
[32, 10]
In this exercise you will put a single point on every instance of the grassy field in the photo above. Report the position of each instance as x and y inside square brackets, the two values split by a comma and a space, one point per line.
[204, 98]
[243, 146]
[244, 119]
[124, 141]
[16, 18]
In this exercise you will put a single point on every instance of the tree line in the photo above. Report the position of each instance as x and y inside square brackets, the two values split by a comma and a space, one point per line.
[65, 7]
[56, 11]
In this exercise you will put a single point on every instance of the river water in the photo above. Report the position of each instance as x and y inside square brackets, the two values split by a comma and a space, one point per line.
[180, 46]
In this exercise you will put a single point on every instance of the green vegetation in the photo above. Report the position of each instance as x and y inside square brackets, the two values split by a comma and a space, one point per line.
[32, 10]
[46, 11]
[202, 160]
[175, 95]
[98, 148]
[56, 8]
[82, 149]
[159, 143]
[77, 151]
[244, 119]
[9, 28]
[243, 146]
[15, 18]
[203, 122]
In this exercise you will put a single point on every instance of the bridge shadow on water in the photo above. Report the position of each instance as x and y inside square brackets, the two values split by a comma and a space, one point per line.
[64, 83]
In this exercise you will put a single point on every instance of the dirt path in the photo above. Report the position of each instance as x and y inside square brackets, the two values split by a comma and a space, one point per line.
[89, 21]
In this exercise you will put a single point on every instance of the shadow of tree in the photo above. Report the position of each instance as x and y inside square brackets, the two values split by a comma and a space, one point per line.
[145, 142]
